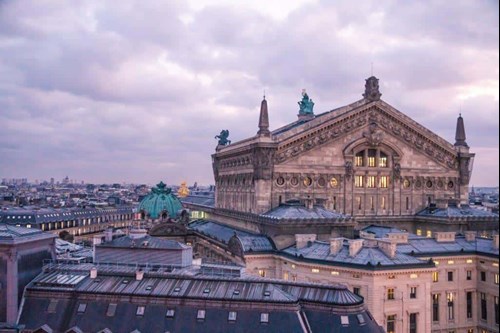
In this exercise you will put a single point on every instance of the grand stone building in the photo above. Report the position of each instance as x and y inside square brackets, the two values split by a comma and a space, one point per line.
[367, 160]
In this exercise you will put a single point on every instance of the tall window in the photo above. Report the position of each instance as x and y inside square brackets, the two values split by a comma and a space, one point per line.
[384, 181]
[390, 293]
[413, 292]
[469, 304]
[359, 158]
[484, 308]
[497, 278]
[451, 306]
[496, 310]
[358, 202]
[382, 161]
[483, 276]
[435, 276]
[391, 324]
[413, 323]
[358, 181]
[435, 307]
[372, 156]
[382, 202]
[371, 181]
[407, 203]
[450, 276]
[469, 275]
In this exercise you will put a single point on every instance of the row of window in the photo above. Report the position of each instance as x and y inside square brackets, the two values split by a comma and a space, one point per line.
[170, 313]
[371, 158]
[371, 181]
[391, 323]
[496, 276]
[391, 293]
[450, 298]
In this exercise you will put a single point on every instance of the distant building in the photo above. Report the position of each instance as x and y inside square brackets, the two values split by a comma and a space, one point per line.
[140, 248]
[83, 298]
[22, 252]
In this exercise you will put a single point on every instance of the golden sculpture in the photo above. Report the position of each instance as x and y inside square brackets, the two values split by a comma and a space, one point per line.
[183, 190]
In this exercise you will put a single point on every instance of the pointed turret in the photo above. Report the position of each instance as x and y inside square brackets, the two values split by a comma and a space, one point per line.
[460, 133]
[263, 119]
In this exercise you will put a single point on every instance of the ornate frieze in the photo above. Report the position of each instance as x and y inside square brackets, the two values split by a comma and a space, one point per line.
[376, 117]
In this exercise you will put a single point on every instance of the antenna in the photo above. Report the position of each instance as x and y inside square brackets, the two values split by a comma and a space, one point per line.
[264, 93]
[372, 68]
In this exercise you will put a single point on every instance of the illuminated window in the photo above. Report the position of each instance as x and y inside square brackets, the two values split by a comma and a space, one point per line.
[497, 278]
[382, 161]
[359, 158]
[358, 181]
[435, 276]
[429, 233]
[335, 273]
[262, 273]
[469, 261]
[384, 181]
[371, 181]
[435, 307]
[419, 232]
[372, 155]
[315, 270]
[390, 293]
[451, 306]
[334, 182]
[413, 292]
[170, 313]
[307, 181]
[391, 324]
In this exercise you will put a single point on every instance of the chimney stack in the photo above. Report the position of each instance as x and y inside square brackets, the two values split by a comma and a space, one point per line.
[336, 245]
[139, 274]
[302, 240]
[355, 245]
[93, 272]
[388, 246]
[470, 236]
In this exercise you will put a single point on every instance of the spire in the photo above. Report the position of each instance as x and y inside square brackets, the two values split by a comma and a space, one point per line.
[263, 119]
[460, 133]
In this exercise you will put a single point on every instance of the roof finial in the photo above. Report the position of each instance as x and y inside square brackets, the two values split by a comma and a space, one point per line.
[264, 119]
[460, 132]
[372, 69]
[264, 94]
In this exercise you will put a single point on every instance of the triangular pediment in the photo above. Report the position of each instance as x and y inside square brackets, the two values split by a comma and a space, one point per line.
[375, 116]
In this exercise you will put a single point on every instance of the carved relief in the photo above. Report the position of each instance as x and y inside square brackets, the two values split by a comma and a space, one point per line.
[373, 136]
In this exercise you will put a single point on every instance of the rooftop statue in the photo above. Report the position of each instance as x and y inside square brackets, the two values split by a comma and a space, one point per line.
[183, 190]
[306, 104]
[223, 138]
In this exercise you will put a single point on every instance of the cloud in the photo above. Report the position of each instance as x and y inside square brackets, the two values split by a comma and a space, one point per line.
[136, 90]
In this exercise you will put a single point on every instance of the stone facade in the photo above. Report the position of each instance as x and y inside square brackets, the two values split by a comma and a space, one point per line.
[364, 159]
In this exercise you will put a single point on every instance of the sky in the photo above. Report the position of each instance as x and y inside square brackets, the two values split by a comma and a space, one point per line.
[135, 90]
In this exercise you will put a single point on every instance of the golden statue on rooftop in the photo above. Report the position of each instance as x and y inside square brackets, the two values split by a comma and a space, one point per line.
[183, 191]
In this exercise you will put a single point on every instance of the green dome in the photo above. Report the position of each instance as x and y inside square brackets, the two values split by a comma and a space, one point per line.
[160, 200]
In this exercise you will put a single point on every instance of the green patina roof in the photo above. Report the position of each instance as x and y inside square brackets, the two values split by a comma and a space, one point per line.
[161, 199]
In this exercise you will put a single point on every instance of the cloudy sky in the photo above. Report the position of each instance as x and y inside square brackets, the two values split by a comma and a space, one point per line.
[135, 91]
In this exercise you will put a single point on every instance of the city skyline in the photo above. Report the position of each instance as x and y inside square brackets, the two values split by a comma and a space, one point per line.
[135, 91]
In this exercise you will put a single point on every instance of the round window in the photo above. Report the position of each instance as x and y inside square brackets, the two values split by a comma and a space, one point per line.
[450, 185]
[406, 183]
[321, 182]
[334, 182]
[294, 181]
[428, 184]
[307, 181]
[280, 181]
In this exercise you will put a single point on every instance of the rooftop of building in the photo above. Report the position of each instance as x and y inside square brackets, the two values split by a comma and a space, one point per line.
[206, 199]
[296, 210]
[10, 233]
[159, 201]
[190, 303]
[223, 233]
[456, 211]
[144, 242]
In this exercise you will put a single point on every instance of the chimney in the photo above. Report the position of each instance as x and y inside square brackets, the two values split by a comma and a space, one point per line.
[460, 133]
[302, 240]
[139, 274]
[309, 203]
[336, 245]
[470, 236]
[445, 236]
[93, 272]
[388, 246]
[263, 119]
[495, 242]
[355, 245]
[108, 234]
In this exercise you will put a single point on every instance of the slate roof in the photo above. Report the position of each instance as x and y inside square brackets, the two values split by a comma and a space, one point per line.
[366, 256]
[200, 200]
[60, 299]
[10, 233]
[152, 243]
[253, 242]
[454, 211]
[295, 210]
[32, 215]
[429, 246]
